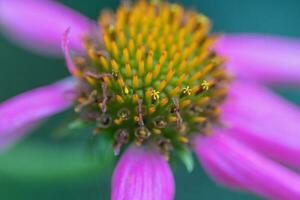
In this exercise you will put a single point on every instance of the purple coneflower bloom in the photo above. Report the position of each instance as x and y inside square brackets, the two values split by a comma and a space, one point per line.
[154, 80]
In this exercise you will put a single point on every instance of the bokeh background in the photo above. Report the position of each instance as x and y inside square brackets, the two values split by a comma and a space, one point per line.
[48, 165]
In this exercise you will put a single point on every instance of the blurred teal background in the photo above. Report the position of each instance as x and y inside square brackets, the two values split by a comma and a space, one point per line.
[46, 167]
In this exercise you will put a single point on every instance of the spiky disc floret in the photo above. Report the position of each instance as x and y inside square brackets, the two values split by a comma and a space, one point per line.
[155, 80]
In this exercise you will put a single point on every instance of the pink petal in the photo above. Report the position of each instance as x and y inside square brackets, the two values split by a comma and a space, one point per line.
[24, 111]
[39, 25]
[264, 121]
[262, 58]
[142, 174]
[238, 166]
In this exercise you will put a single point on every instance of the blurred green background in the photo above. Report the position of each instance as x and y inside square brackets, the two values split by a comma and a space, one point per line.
[46, 167]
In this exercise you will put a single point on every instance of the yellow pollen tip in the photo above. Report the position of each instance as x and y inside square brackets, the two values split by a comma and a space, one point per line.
[187, 91]
[126, 90]
[155, 95]
[205, 85]
[183, 139]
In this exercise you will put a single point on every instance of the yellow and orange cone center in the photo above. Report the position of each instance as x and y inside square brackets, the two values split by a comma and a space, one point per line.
[154, 78]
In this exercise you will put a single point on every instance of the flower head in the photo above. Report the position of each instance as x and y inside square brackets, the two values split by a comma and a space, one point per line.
[156, 80]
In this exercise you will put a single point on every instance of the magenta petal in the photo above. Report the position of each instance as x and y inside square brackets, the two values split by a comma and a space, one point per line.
[264, 121]
[24, 111]
[262, 58]
[39, 25]
[237, 166]
[142, 175]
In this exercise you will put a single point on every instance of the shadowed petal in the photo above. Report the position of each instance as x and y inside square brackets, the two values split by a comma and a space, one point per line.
[264, 121]
[65, 47]
[39, 25]
[142, 175]
[8, 140]
[262, 58]
[237, 166]
[24, 111]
